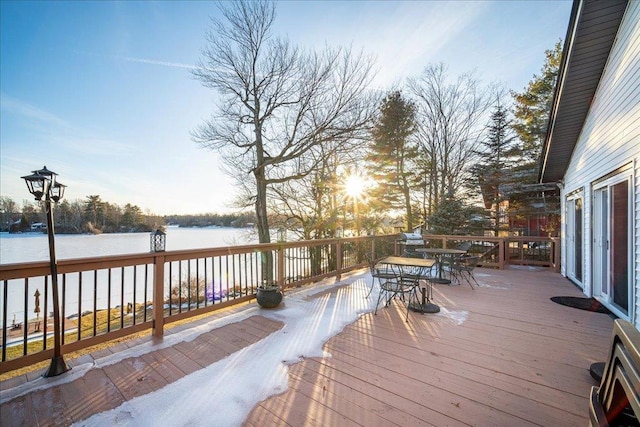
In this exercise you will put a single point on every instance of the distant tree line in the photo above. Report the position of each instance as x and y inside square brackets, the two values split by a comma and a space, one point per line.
[93, 215]
[212, 220]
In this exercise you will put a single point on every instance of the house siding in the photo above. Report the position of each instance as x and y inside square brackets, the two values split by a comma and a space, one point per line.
[609, 140]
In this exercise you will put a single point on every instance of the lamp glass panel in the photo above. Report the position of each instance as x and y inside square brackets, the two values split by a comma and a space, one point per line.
[57, 191]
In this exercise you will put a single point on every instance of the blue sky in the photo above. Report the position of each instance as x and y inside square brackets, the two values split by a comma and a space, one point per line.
[100, 92]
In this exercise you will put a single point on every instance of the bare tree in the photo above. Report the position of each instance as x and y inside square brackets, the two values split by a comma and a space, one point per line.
[278, 103]
[312, 213]
[450, 121]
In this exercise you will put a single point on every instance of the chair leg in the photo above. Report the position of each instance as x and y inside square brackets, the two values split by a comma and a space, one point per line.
[380, 295]
[406, 318]
[413, 292]
[474, 279]
[373, 283]
[455, 274]
[468, 276]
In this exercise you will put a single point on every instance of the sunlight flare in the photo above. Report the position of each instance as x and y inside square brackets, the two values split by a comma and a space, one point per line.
[354, 186]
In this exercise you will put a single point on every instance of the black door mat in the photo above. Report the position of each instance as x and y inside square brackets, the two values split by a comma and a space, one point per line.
[597, 370]
[589, 304]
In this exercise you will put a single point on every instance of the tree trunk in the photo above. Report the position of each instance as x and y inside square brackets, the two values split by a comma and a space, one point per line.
[263, 225]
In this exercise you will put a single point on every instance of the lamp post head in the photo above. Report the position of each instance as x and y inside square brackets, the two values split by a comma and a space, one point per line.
[57, 191]
[37, 184]
[51, 175]
[43, 182]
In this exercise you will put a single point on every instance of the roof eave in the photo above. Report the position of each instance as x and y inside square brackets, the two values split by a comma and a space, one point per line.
[568, 113]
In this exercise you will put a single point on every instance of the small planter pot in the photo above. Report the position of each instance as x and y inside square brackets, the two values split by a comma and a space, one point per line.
[269, 297]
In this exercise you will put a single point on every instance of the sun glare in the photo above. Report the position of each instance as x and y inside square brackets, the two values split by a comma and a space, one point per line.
[354, 186]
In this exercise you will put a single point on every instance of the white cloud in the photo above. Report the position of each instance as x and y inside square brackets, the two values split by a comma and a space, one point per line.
[16, 106]
[413, 35]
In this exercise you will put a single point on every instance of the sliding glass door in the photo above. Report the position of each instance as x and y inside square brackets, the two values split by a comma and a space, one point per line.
[612, 243]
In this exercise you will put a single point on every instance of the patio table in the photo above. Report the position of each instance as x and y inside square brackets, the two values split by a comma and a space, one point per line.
[397, 264]
[438, 253]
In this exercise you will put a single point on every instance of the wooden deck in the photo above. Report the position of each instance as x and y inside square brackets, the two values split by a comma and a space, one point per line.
[504, 356]
[500, 355]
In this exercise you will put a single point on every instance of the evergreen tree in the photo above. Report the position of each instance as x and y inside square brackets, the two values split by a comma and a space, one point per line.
[392, 153]
[94, 210]
[493, 171]
[531, 119]
[533, 106]
[453, 216]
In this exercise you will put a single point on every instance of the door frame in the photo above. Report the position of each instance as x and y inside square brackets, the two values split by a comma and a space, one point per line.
[602, 283]
[574, 265]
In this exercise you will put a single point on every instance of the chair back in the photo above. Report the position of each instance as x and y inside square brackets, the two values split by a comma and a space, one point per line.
[464, 246]
[370, 262]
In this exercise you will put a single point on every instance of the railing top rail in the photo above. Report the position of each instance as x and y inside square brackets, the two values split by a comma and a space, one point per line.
[490, 238]
[41, 268]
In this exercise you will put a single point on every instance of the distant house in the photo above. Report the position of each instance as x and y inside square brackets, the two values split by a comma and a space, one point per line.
[537, 214]
[592, 152]
[38, 226]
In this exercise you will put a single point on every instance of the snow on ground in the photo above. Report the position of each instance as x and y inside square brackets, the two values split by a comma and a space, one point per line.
[226, 391]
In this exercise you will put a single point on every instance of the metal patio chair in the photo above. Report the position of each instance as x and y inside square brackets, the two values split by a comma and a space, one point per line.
[403, 287]
[462, 268]
[377, 273]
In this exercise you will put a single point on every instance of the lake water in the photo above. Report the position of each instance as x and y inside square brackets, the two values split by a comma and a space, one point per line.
[29, 247]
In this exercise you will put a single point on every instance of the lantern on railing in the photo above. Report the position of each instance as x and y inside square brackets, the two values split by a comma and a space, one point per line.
[282, 234]
[158, 241]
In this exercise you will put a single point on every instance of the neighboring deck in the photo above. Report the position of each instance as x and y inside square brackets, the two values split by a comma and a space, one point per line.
[502, 354]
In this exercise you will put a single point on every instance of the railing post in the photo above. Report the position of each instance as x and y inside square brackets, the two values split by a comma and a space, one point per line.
[555, 247]
[280, 269]
[158, 296]
[339, 259]
[373, 247]
[502, 248]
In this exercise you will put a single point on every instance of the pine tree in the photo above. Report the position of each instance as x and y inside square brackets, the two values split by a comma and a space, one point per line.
[531, 118]
[533, 106]
[392, 153]
[494, 168]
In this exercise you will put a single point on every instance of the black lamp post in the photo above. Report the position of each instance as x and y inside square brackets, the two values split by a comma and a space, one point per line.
[42, 183]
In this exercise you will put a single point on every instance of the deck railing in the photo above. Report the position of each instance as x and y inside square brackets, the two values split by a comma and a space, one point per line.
[115, 296]
[500, 252]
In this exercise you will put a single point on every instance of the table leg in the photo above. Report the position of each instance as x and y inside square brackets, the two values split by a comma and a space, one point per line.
[440, 279]
[426, 306]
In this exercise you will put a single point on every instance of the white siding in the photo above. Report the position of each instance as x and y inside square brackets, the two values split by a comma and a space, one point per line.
[610, 137]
